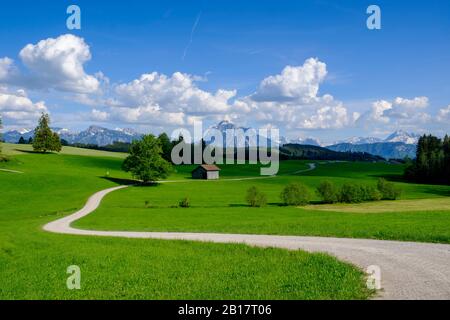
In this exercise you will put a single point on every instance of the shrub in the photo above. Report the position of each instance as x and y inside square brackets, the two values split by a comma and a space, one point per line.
[355, 193]
[370, 193]
[351, 193]
[256, 198]
[185, 203]
[388, 190]
[295, 194]
[328, 192]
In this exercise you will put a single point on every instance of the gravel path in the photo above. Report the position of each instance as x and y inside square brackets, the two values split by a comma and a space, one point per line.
[408, 270]
[10, 171]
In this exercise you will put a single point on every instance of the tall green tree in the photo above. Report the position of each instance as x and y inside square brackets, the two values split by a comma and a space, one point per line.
[432, 162]
[146, 161]
[446, 149]
[56, 142]
[44, 139]
[166, 146]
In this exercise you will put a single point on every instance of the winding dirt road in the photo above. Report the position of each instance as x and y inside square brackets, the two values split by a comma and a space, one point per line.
[10, 171]
[408, 270]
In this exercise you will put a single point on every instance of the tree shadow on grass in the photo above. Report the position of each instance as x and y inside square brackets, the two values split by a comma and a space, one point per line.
[131, 182]
[438, 191]
[34, 152]
[120, 181]
[242, 205]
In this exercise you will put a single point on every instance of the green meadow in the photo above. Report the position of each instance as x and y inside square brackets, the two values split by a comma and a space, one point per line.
[422, 214]
[33, 263]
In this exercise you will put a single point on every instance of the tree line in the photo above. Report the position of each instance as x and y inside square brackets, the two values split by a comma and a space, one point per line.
[432, 163]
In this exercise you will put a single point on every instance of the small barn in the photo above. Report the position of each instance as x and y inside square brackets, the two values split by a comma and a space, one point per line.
[206, 172]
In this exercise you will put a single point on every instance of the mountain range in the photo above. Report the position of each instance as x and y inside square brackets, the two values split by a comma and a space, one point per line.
[92, 135]
[399, 144]
[397, 136]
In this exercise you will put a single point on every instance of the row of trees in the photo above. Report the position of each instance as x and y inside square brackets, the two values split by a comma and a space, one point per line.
[356, 193]
[298, 194]
[23, 141]
[432, 163]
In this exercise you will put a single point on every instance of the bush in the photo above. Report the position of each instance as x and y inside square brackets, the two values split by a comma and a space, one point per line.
[370, 193]
[328, 192]
[351, 193]
[295, 194]
[388, 190]
[255, 198]
[185, 203]
[354, 193]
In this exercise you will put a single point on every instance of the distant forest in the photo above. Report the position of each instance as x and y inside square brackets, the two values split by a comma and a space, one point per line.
[307, 152]
[432, 163]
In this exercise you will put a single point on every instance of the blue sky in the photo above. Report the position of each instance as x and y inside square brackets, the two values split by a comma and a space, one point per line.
[378, 80]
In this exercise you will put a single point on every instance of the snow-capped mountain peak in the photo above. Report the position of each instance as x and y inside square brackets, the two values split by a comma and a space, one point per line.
[128, 131]
[24, 130]
[359, 140]
[93, 135]
[403, 136]
[95, 129]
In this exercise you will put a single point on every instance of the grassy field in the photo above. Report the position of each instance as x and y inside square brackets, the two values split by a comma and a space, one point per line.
[423, 214]
[20, 149]
[33, 263]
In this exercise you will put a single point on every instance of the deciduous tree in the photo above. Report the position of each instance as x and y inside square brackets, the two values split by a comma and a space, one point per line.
[145, 161]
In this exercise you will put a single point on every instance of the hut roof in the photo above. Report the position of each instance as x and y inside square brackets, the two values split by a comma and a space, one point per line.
[209, 167]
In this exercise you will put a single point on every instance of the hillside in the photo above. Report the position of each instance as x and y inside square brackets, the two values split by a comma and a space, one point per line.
[21, 149]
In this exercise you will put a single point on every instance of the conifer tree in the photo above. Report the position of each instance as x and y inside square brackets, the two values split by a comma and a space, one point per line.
[44, 139]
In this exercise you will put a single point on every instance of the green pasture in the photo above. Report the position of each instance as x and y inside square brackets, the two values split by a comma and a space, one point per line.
[219, 206]
[33, 263]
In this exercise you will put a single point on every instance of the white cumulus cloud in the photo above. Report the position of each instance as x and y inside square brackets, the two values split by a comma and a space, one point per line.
[18, 108]
[156, 97]
[53, 63]
[60, 62]
[291, 99]
[397, 113]
[294, 83]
